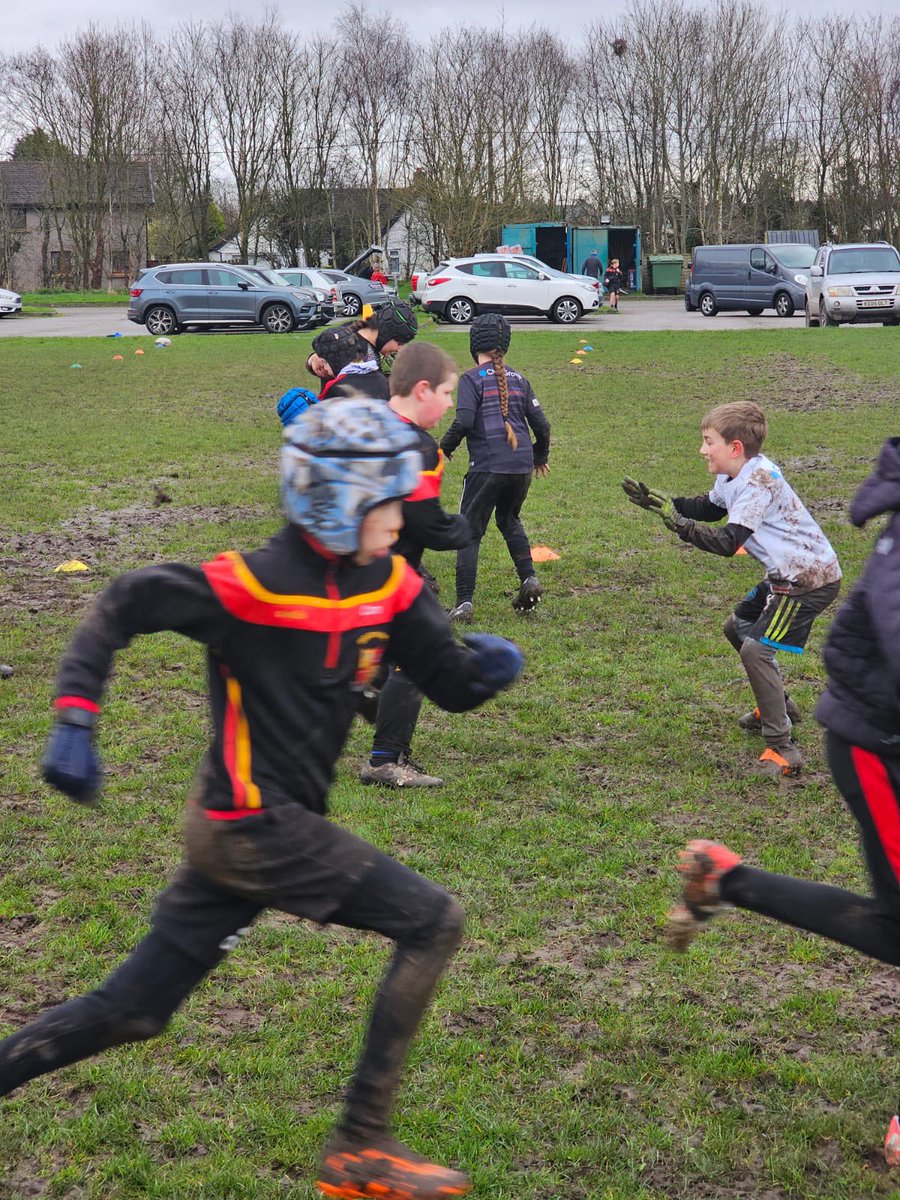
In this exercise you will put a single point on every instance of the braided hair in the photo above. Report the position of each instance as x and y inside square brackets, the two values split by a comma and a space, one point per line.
[503, 390]
[490, 334]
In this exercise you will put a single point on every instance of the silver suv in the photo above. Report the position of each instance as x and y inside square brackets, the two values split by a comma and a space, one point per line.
[852, 283]
[174, 297]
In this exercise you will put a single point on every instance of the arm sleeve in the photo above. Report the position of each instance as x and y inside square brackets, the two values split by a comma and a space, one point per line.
[884, 608]
[467, 400]
[699, 508]
[725, 540]
[431, 527]
[172, 596]
[424, 646]
[540, 426]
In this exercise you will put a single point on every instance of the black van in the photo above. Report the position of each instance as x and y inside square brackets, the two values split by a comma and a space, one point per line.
[749, 278]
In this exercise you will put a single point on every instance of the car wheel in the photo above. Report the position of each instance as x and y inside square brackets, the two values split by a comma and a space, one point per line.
[754, 312]
[352, 304]
[460, 311]
[825, 318]
[160, 321]
[278, 318]
[784, 305]
[708, 305]
[812, 322]
[565, 311]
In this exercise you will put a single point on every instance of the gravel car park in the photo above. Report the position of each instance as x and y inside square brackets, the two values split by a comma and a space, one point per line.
[178, 296]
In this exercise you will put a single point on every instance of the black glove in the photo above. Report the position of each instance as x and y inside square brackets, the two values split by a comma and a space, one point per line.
[70, 762]
[499, 662]
[637, 492]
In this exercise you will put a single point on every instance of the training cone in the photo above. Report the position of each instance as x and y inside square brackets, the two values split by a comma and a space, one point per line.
[139, 352]
[577, 361]
[118, 358]
[543, 554]
[585, 349]
[75, 367]
[70, 566]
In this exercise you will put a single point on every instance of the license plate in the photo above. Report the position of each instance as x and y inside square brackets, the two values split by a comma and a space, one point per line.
[875, 303]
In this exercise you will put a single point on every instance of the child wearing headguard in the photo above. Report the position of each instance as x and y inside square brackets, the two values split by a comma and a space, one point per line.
[292, 632]
[496, 412]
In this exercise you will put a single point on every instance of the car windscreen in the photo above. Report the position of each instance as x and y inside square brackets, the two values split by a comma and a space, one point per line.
[791, 255]
[868, 260]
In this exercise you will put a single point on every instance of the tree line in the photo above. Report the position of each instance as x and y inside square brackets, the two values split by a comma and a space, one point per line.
[697, 123]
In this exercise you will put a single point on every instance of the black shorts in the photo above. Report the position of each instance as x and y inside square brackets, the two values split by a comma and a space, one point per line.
[782, 620]
[285, 858]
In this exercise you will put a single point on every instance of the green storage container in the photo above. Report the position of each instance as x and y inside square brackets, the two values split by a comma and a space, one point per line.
[665, 271]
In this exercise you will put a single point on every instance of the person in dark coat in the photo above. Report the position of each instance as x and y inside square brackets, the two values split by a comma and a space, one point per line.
[860, 710]
[592, 266]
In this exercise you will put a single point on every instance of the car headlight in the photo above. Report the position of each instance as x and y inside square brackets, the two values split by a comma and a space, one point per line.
[803, 280]
[840, 291]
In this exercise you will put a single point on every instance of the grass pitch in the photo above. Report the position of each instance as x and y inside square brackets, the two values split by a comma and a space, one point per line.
[569, 1054]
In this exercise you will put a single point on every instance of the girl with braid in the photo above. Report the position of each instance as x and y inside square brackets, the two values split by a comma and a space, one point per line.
[496, 412]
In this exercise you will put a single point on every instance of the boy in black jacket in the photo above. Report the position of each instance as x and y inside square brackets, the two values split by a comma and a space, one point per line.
[422, 383]
[293, 632]
[861, 711]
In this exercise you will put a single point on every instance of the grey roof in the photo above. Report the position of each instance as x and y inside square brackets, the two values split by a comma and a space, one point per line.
[809, 237]
[40, 184]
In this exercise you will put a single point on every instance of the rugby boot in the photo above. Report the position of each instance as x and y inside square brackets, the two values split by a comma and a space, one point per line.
[529, 595]
[399, 774]
[702, 864]
[752, 723]
[463, 613]
[385, 1169]
[781, 762]
[892, 1143]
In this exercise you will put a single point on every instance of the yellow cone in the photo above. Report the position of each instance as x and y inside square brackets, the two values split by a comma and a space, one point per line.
[72, 564]
[577, 361]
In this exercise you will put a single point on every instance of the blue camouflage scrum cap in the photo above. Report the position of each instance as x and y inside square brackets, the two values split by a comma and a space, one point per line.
[341, 459]
[294, 402]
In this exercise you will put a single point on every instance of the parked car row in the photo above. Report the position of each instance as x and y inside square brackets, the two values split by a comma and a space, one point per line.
[831, 284]
[458, 289]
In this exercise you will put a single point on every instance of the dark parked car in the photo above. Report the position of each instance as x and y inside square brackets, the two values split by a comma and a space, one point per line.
[171, 298]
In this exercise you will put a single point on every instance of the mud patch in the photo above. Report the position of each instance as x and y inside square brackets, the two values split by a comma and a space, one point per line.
[96, 535]
[782, 381]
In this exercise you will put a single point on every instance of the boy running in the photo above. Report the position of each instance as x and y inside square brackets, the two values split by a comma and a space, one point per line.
[860, 709]
[293, 632]
[422, 383]
[767, 519]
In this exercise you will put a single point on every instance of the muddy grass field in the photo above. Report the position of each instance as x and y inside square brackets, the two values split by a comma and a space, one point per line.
[569, 1054]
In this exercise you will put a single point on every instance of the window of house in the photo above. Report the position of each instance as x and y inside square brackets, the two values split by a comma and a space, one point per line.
[18, 217]
[119, 262]
[61, 263]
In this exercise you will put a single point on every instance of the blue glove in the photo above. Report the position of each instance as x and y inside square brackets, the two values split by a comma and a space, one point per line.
[499, 662]
[70, 763]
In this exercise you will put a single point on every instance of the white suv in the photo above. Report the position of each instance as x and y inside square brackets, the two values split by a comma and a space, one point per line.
[464, 287]
[853, 283]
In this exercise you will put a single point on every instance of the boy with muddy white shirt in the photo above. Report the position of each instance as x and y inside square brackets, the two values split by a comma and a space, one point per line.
[766, 519]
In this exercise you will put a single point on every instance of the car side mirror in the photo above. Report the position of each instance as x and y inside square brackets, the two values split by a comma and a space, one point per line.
[542, 276]
[245, 287]
[816, 271]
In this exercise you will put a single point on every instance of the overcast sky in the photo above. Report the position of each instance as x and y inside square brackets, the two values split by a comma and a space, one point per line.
[27, 23]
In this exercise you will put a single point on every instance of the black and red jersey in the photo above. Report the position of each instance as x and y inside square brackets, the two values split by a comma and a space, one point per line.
[292, 635]
[426, 526]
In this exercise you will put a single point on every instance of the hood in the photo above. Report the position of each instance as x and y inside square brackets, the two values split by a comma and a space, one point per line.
[881, 491]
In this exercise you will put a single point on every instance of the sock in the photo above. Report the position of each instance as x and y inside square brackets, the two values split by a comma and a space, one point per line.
[378, 758]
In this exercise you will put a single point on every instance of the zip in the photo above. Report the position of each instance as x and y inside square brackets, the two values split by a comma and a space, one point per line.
[333, 653]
